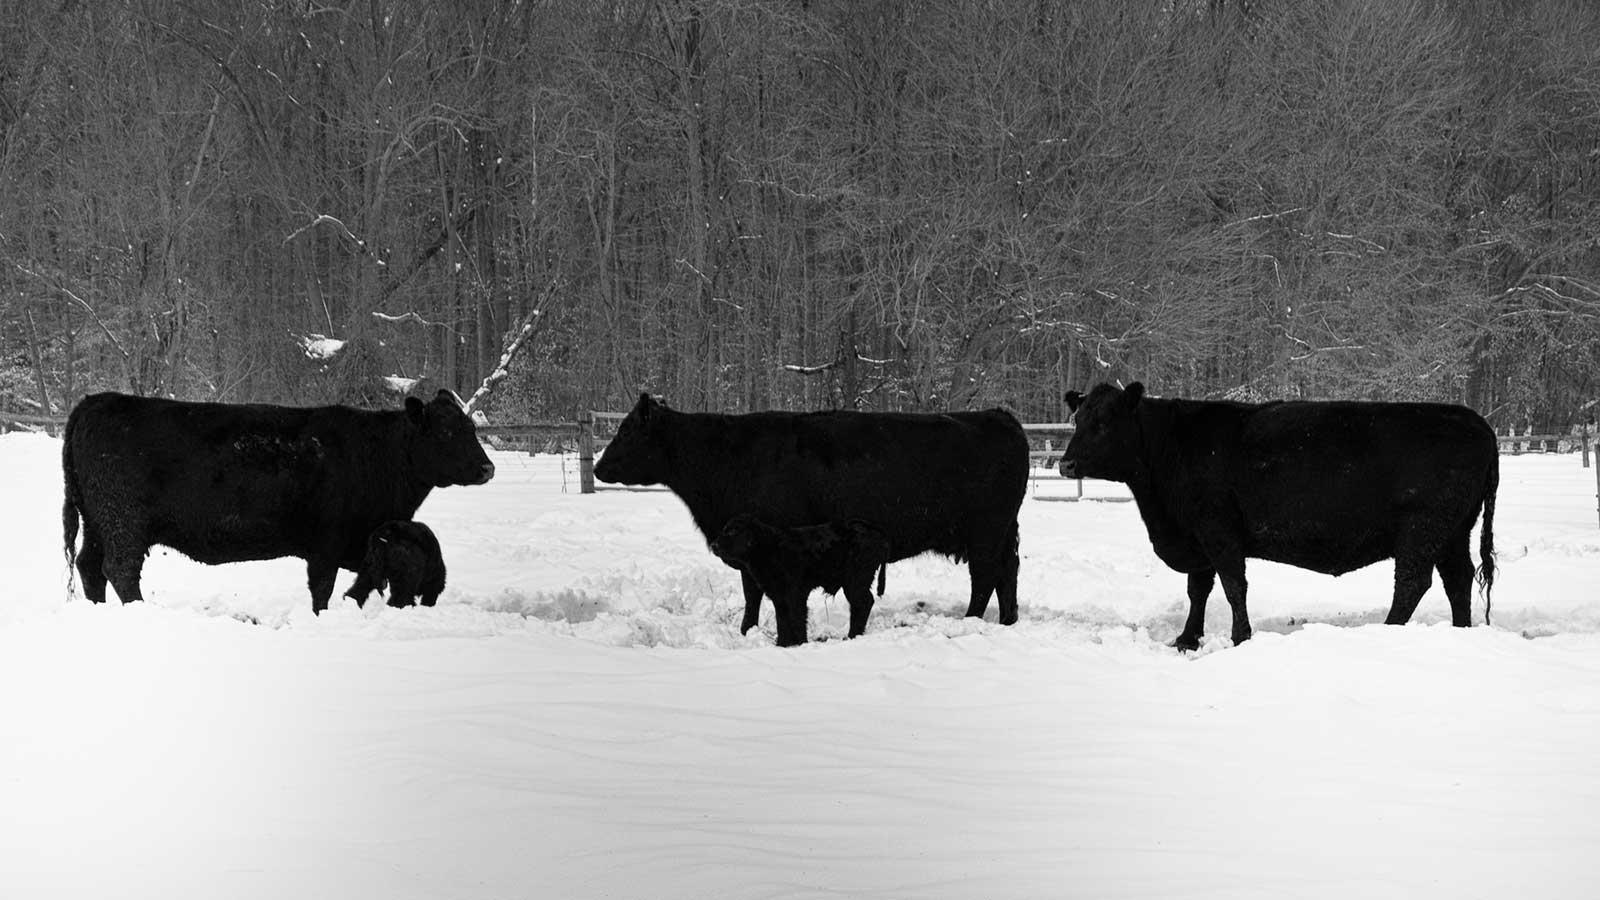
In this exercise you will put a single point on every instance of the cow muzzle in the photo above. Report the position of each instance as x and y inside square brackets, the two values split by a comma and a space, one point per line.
[1069, 468]
[486, 473]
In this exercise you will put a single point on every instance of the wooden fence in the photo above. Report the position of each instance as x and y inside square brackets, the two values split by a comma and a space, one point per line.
[593, 429]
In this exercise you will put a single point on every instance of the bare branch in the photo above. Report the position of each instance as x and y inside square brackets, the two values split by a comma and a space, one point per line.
[809, 370]
[513, 346]
[66, 291]
[1266, 216]
[412, 316]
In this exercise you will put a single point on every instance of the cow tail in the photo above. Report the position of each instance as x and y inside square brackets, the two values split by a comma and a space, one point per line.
[72, 502]
[883, 569]
[1486, 539]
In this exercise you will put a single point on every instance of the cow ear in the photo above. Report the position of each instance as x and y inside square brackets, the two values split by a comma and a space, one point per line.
[1074, 400]
[1134, 393]
[415, 410]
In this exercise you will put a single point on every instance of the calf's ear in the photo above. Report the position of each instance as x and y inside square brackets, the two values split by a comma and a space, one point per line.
[1134, 392]
[1074, 400]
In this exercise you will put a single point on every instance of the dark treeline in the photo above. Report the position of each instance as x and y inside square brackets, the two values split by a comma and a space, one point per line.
[745, 204]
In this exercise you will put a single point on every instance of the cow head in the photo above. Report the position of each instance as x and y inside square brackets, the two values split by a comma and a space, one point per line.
[1105, 441]
[638, 454]
[444, 442]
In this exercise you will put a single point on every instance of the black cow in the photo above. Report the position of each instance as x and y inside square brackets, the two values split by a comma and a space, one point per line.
[225, 483]
[1326, 486]
[790, 563]
[949, 483]
[404, 559]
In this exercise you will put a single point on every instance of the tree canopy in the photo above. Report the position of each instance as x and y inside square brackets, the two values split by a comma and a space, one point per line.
[747, 204]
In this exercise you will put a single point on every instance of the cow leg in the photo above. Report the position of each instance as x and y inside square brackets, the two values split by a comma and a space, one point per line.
[1200, 584]
[752, 602]
[319, 577]
[791, 615]
[1413, 575]
[400, 597]
[1006, 585]
[91, 565]
[1455, 570]
[1234, 587]
[122, 568]
[430, 598]
[985, 571]
[860, 597]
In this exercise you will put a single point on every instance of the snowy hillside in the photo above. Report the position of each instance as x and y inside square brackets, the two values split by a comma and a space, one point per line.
[580, 718]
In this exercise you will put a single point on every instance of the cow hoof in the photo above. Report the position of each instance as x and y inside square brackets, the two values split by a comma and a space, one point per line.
[1241, 638]
[1185, 644]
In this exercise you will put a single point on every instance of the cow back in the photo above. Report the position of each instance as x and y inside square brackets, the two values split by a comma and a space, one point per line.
[925, 481]
[226, 483]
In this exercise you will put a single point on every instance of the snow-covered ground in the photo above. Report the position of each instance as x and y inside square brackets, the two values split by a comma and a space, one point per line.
[580, 718]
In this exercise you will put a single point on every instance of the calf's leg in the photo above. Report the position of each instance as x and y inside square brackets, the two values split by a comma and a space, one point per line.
[859, 593]
[361, 589]
[752, 602]
[791, 613]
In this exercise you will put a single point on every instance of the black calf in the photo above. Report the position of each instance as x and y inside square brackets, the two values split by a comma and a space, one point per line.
[404, 558]
[789, 563]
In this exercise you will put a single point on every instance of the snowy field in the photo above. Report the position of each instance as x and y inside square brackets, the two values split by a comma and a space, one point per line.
[580, 718]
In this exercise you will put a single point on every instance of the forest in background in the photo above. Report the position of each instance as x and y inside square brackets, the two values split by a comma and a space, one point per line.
[751, 204]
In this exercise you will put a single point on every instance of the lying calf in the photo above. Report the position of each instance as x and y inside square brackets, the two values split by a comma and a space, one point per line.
[404, 558]
[789, 563]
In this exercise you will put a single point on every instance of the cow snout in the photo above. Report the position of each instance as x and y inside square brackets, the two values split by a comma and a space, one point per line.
[1069, 468]
[486, 473]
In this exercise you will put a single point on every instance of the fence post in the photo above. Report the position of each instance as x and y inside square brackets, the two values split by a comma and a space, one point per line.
[1597, 478]
[1585, 443]
[585, 451]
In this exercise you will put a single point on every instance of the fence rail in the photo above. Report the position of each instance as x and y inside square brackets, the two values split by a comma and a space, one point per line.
[593, 429]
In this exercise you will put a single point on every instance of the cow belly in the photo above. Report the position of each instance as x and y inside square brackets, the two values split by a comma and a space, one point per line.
[228, 538]
[1331, 551]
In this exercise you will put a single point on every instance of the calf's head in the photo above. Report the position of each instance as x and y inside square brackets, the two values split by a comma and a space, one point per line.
[1105, 440]
[743, 536]
[639, 452]
[444, 442]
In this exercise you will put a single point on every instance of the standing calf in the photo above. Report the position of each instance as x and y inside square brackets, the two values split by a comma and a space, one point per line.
[789, 563]
[403, 558]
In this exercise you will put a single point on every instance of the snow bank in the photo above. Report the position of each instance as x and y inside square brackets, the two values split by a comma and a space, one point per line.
[579, 717]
